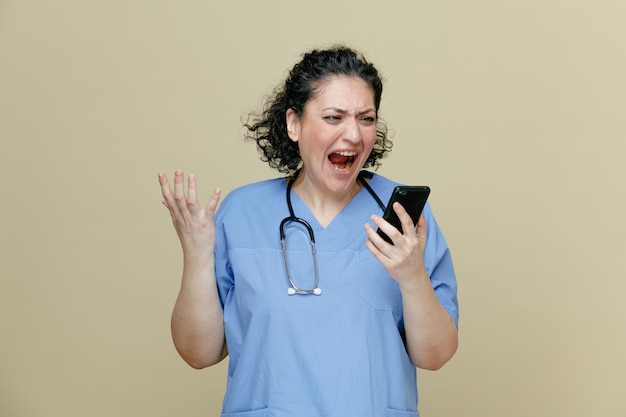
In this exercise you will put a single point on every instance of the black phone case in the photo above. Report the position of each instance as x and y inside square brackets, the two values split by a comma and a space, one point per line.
[412, 197]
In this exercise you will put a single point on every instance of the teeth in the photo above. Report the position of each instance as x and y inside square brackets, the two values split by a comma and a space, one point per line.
[344, 169]
[345, 163]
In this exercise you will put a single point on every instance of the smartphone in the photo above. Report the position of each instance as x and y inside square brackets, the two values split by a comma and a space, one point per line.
[413, 199]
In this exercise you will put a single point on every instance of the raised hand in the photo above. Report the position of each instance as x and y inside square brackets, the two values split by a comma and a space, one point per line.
[194, 224]
[197, 318]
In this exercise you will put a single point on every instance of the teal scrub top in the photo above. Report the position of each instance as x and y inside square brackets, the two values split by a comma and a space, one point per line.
[338, 354]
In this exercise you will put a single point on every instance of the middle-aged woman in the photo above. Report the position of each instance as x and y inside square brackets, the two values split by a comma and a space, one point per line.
[320, 316]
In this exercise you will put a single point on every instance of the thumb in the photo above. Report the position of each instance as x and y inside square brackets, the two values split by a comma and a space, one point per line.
[213, 201]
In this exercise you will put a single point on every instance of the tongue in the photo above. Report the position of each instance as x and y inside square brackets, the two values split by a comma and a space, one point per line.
[337, 159]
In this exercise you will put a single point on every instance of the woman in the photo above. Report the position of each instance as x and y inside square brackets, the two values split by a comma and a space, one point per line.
[331, 328]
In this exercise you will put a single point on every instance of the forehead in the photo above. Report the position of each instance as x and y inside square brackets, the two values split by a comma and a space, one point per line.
[341, 91]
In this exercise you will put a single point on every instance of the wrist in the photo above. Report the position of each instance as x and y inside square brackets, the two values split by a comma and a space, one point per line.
[415, 283]
[197, 255]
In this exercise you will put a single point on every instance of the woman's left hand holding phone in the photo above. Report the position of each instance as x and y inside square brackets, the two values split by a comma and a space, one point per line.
[431, 335]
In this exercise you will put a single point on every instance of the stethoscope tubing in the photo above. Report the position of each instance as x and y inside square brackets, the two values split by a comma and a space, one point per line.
[294, 289]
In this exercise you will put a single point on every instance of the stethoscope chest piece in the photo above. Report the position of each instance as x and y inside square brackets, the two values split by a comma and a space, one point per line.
[293, 291]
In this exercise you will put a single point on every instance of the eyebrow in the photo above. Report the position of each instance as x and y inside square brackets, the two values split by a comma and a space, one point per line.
[342, 111]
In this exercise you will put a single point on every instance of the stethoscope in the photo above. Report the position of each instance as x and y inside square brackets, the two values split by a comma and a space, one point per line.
[293, 288]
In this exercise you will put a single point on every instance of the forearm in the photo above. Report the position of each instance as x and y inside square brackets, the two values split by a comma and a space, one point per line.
[197, 319]
[431, 335]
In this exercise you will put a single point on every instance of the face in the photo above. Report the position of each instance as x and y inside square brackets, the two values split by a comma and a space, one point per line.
[335, 132]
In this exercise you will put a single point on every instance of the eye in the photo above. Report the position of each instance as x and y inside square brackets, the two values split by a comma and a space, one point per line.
[368, 119]
[332, 118]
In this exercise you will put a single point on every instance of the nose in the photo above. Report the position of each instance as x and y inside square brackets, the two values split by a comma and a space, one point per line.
[351, 131]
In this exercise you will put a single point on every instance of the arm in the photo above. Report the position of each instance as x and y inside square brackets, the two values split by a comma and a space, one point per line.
[197, 319]
[431, 334]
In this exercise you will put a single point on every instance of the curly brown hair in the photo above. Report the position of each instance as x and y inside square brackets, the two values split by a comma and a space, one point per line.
[269, 128]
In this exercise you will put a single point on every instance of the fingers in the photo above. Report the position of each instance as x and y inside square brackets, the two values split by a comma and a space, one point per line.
[397, 237]
[166, 191]
[177, 202]
[377, 242]
[390, 230]
[373, 241]
[179, 188]
[385, 227]
[192, 196]
[215, 198]
[163, 182]
[422, 228]
[405, 219]
[405, 258]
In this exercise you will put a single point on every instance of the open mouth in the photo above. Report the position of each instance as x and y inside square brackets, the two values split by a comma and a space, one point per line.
[342, 161]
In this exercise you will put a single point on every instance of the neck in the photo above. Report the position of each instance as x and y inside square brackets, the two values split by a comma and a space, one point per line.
[323, 203]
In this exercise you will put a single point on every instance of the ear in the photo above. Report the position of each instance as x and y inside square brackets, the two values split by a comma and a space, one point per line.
[293, 125]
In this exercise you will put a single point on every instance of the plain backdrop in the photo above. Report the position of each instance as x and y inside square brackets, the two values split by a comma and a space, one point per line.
[512, 111]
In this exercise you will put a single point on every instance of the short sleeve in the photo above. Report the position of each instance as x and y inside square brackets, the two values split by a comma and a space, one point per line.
[439, 265]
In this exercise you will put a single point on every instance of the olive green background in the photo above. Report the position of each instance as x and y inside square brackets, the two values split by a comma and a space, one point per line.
[512, 111]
